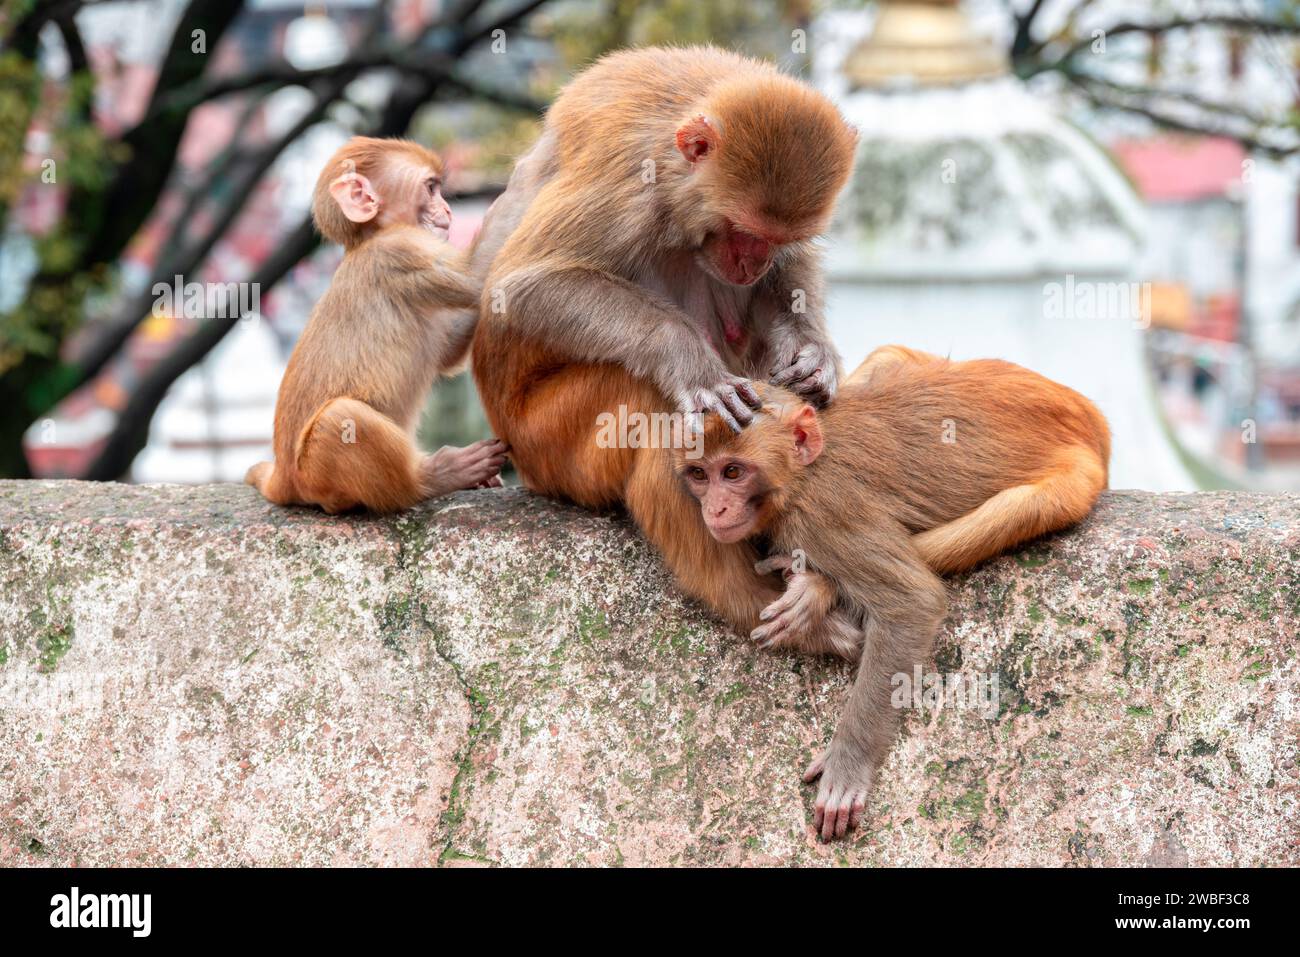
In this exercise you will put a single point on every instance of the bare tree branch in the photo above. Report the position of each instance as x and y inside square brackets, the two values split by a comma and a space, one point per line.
[136, 185]
[504, 98]
[503, 23]
[131, 433]
[1244, 24]
[1023, 39]
[1108, 96]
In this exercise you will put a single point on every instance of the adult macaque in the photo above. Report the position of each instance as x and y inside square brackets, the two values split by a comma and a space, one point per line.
[399, 311]
[919, 463]
[655, 252]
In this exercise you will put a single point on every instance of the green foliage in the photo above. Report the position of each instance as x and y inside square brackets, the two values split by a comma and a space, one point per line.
[582, 32]
[19, 89]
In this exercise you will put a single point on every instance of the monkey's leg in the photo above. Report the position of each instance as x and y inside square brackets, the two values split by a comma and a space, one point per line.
[887, 357]
[349, 455]
[553, 430]
[1017, 515]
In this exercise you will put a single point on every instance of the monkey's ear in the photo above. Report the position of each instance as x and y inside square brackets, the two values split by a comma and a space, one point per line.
[356, 197]
[807, 432]
[696, 138]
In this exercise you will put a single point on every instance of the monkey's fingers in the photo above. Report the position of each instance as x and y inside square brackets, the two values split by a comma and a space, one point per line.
[773, 563]
[806, 361]
[824, 819]
[785, 603]
[729, 396]
[859, 805]
[745, 389]
[814, 770]
[814, 387]
[723, 413]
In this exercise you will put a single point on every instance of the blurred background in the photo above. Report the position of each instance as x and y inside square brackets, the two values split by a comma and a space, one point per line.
[1104, 191]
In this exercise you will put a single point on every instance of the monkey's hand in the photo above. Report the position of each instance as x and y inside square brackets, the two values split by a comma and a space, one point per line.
[846, 779]
[809, 371]
[475, 466]
[733, 399]
[796, 619]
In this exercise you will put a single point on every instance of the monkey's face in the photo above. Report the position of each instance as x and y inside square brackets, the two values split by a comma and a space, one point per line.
[736, 256]
[731, 493]
[413, 197]
[744, 481]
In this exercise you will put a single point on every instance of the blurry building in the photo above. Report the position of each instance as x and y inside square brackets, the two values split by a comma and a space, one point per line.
[978, 223]
[1223, 251]
[215, 422]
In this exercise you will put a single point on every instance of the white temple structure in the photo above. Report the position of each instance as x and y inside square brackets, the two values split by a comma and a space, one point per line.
[979, 224]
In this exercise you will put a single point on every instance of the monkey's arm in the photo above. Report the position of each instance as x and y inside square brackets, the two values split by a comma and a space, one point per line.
[424, 271]
[595, 316]
[459, 338]
[882, 577]
[532, 171]
[801, 355]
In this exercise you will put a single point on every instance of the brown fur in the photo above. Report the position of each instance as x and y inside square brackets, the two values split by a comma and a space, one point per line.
[388, 324]
[598, 298]
[889, 496]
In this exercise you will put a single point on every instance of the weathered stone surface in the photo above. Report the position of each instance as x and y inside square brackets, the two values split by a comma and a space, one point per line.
[188, 675]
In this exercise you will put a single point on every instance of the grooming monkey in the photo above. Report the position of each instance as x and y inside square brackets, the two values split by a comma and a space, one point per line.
[920, 463]
[399, 311]
[654, 250]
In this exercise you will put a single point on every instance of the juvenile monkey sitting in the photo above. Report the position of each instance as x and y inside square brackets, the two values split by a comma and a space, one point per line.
[400, 310]
[919, 464]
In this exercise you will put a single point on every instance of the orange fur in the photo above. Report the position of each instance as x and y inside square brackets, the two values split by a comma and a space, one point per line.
[921, 464]
[606, 289]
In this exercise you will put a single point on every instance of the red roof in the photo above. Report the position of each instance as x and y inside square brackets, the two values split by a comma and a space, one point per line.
[1173, 168]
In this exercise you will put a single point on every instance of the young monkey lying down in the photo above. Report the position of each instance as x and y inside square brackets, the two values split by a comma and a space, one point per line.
[919, 464]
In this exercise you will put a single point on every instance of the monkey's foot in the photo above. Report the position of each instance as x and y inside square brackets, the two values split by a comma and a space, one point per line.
[475, 466]
[842, 794]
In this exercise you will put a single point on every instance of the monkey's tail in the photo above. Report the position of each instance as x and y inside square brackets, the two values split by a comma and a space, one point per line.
[270, 481]
[1017, 515]
[259, 474]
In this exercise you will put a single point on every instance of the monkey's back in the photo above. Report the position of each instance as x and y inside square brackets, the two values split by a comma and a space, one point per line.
[380, 350]
[941, 438]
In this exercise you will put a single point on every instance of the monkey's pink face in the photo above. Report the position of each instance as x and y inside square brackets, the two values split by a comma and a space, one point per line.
[737, 257]
[730, 492]
[417, 200]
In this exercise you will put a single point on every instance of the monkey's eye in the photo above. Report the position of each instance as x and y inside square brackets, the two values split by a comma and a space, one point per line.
[698, 474]
[432, 186]
[732, 472]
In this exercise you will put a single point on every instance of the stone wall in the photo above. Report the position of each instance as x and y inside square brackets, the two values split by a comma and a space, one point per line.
[189, 676]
